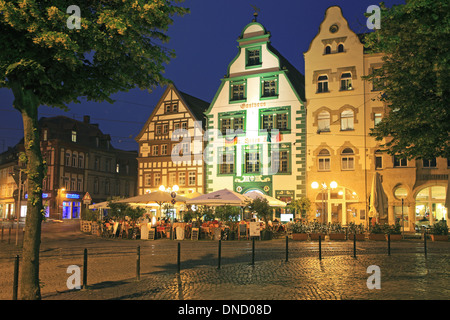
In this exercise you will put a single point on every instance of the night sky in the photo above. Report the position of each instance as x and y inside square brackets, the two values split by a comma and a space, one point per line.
[205, 43]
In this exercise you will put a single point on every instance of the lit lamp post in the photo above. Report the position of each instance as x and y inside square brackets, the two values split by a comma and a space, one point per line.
[323, 186]
[59, 201]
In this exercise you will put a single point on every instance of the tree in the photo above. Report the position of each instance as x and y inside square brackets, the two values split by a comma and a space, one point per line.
[301, 206]
[414, 78]
[49, 61]
[262, 208]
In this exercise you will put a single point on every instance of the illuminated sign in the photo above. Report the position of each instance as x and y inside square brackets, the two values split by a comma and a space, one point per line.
[44, 196]
[72, 196]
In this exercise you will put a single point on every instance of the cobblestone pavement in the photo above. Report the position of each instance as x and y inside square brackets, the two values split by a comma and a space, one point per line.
[406, 273]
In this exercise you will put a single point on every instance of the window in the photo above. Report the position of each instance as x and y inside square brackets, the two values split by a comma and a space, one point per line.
[164, 149]
[184, 125]
[175, 107]
[182, 178]
[324, 160]
[347, 159]
[322, 84]
[347, 120]
[168, 108]
[429, 163]
[269, 87]
[323, 121]
[378, 160]
[79, 185]
[117, 168]
[74, 136]
[192, 178]
[107, 187]
[377, 118]
[75, 160]
[226, 160]
[251, 163]
[400, 162]
[157, 179]
[280, 161]
[165, 128]
[68, 158]
[238, 90]
[232, 123]
[73, 184]
[148, 179]
[158, 130]
[253, 57]
[185, 148]
[275, 118]
[81, 161]
[341, 48]
[172, 178]
[155, 150]
[176, 126]
[96, 186]
[108, 165]
[45, 135]
[346, 81]
[327, 49]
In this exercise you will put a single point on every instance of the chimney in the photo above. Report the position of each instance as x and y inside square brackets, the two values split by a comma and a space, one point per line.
[87, 119]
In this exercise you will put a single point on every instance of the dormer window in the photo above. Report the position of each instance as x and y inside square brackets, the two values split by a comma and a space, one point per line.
[74, 136]
[327, 49]
[341, 48]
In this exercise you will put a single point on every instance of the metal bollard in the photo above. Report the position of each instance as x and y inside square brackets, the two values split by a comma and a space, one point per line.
[219, 254]
[354, 245]
[389, 244]
[85, 263]
[178, 258]
[287, 248]
[253, 251]
[138, 264]
[425, 242]
[16, 278]
[320, 247]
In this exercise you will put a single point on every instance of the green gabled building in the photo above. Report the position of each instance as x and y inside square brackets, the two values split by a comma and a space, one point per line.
[256, 123]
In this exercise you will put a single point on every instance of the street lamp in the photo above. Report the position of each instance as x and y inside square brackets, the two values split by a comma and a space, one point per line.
[323, 185]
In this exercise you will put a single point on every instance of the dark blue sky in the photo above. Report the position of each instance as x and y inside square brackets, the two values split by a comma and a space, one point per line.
[205, 43]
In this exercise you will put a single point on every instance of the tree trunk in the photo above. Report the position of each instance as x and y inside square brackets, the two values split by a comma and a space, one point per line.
[27, 103]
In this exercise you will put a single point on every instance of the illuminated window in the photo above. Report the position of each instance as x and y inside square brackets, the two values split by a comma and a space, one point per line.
[324, 160]
[323, 121]
[347, 120]
[74, 136]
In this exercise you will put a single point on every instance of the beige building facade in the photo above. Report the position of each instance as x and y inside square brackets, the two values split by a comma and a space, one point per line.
[341, 110]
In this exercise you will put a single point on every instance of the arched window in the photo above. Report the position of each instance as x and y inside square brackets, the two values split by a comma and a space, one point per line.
[327, 49]
[347, 159]
[341, 48]
[430, 204]
[323, 121]
[347, 120]
[322, 83]
[324, 160]
[346, 81]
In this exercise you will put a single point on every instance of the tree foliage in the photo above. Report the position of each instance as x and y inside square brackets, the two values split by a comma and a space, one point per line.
[118, 47]
[414, 79]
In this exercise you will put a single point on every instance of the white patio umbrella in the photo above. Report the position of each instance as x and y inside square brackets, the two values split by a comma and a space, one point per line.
[273, 202]
[220, 198]
[378, 199]
[159, 197]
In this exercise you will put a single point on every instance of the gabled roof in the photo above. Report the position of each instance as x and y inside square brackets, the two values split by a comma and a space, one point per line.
[195, 106]
[295, 77]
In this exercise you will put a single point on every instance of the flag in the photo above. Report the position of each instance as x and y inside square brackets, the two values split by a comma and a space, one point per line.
[277, 137]
[231, 142]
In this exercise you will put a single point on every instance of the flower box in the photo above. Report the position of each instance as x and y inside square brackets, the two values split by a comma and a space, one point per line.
[394, 237]
[377, 236]
[315, 236]
[439, 237]
[337, 236]
[359, 236]
[300, 236]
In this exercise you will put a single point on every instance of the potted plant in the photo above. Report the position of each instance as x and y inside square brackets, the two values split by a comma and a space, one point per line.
[299, 231]
[336, 231]
[317, 229]
[357, 231]
[439, 231]
[394, 232]
[377, 232]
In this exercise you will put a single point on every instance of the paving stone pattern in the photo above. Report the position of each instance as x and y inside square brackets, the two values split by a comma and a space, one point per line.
[406, 273]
